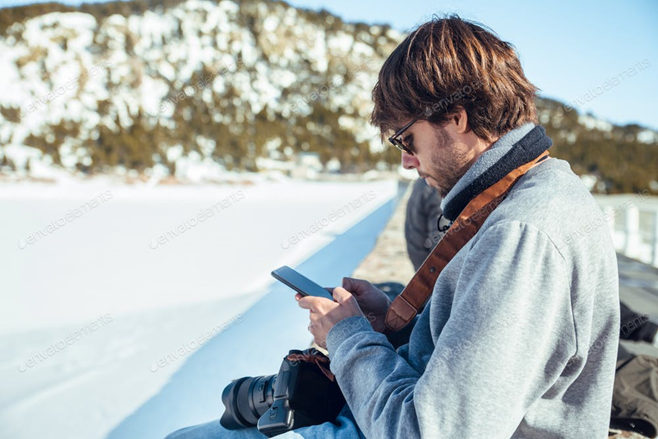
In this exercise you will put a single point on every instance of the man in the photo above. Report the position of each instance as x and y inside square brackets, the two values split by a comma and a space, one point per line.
[424, 223]
[519, 337]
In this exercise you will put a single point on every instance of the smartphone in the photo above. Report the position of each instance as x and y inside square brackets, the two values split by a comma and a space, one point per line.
[300, 283]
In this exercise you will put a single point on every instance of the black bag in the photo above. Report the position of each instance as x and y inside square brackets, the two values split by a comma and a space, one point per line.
[635, 396]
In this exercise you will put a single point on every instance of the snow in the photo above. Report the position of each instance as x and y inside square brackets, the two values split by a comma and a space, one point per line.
[9, 76]
[340, 42]
[153, 93]
[319, 52]
[21, 156]
[647, 136]
[363, 49]
[592, 123]
[270, 23]
[195, 169]
[97, 320]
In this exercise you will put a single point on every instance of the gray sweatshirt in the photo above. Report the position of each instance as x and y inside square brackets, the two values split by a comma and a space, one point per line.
[519, 338]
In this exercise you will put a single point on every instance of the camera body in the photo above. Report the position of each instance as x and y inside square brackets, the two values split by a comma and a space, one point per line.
[298, 396]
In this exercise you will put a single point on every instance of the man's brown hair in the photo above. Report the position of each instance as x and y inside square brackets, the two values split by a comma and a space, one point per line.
[449, 63]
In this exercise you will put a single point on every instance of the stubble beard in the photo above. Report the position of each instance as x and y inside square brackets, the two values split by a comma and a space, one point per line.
[449, 162]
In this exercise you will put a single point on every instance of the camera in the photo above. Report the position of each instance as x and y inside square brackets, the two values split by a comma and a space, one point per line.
[303, 393]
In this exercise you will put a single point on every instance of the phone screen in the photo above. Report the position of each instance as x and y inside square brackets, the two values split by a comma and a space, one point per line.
[300, 283]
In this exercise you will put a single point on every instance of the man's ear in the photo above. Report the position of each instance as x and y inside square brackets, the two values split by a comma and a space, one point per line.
[460, 120]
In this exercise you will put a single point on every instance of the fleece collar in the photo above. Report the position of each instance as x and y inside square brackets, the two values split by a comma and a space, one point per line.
[515, 148]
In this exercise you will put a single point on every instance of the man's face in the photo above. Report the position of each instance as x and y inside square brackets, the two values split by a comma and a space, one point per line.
[441, 156]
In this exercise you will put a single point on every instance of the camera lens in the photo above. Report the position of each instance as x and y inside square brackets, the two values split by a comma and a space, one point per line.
[246, 400]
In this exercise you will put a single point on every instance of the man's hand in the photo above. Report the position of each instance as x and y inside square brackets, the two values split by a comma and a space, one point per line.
[356, 298]
[373, 302]
[325, 313]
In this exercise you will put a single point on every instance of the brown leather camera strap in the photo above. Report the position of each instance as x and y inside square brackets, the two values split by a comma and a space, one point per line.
[405, 306]
[316, 357]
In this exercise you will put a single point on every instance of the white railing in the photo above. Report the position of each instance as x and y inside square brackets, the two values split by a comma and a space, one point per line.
[633, 222]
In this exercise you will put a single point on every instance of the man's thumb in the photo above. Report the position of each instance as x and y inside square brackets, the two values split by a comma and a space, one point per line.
[351, 284]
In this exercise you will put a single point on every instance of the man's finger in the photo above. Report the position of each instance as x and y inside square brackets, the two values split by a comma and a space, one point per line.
[352, 285]
[355, 286]
[311, 303]
[341, 294]
[307, 303]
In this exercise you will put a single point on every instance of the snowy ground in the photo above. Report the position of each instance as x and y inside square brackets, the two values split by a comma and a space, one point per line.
[121, 302]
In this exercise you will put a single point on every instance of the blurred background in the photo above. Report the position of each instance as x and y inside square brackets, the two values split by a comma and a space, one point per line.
[159, 158]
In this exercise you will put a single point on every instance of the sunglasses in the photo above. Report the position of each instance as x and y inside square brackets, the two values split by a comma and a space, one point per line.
[395, 138]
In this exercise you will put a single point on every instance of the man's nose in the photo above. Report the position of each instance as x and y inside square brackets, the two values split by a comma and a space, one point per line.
[409, 161]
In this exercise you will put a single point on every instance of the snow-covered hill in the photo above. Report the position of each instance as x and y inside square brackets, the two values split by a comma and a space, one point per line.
[198, 85]
[190, 89]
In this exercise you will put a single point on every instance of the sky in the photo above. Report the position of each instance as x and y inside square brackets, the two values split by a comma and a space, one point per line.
[597, 56]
